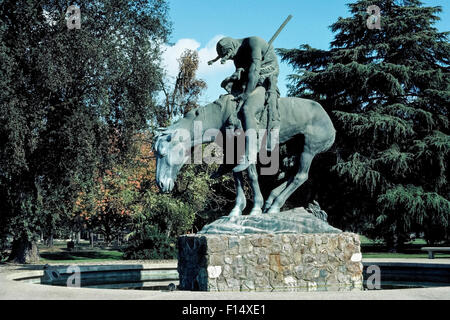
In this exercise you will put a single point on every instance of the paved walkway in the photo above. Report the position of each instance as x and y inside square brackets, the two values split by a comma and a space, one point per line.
[10, 289]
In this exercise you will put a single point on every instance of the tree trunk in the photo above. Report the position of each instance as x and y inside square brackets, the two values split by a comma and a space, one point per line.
[91, 239]
[24, 251]
[50, 240]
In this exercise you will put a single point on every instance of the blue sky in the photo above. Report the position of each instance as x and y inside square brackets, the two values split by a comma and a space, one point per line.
[198, 24]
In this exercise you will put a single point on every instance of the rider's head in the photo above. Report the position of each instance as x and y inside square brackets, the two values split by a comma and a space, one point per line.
[227, 48]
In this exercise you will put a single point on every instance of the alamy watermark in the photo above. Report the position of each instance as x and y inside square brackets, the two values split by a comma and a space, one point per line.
[374, 20]
[73, 14]
[373, 273]
[54, 275]
[74, 280]
[374, 280]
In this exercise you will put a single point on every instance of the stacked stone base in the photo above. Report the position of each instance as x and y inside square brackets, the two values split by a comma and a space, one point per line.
[264, 262]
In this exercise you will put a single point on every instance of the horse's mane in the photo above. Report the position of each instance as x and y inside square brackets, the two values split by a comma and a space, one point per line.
[194, 113]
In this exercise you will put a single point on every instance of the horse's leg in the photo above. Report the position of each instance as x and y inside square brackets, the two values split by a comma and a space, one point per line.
[258, 199]
[275, 193]
[241, 202]
[301, 176]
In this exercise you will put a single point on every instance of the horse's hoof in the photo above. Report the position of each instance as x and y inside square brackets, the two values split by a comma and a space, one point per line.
[235, 212]
[273, 210]
[256, 212]
[267, 206]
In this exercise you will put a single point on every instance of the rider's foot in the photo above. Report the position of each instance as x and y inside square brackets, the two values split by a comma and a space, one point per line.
[270, 145]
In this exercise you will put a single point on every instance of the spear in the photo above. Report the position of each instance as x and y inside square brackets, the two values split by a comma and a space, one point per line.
[277, 33]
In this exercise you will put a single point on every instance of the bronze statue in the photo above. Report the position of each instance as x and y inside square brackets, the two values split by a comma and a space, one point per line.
[253, 93]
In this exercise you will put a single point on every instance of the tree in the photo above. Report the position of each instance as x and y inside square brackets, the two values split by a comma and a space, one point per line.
[118, 192]
[388, 93]
[65, 96]
[181, 96]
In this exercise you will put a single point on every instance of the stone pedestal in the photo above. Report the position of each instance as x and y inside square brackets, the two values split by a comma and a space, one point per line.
[267, 262]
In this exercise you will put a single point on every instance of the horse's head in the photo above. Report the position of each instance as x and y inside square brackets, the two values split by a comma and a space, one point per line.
[172, 150]
[172, 145]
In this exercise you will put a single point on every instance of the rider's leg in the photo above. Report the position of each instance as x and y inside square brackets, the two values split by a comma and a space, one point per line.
[274, 117]
[251, 107]
[273, 120]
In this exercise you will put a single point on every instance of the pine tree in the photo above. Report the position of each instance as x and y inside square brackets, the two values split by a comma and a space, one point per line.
[388, 91]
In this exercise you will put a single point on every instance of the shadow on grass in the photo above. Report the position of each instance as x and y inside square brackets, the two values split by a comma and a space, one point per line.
[82, 255]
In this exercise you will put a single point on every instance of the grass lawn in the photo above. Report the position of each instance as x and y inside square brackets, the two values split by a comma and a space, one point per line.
[366, 241]
[403, 255]
[83, 253]
[376, 249]
[80, 256]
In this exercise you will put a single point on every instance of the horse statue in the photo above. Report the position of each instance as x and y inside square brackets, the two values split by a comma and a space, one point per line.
[298, 117]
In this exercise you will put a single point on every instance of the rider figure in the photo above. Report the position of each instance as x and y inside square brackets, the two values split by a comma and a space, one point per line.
[256, 75]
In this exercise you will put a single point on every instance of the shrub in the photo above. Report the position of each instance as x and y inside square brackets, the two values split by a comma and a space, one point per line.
[150, 243]
[4, 248]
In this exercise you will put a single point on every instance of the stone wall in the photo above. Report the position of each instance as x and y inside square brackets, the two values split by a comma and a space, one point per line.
[264, 262]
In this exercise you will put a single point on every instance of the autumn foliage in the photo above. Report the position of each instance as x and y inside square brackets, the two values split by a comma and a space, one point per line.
[117, 195]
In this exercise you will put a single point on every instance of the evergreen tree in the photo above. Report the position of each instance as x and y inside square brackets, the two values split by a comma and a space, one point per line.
[67, 98]
[388, 91]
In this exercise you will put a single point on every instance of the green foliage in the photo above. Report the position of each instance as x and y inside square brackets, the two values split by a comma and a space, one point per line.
[414, 200]
[4, 246]
[175, 213]
[163, 217]
[388, 93]
[70, 100]
[171, 215]
[209, 198]
[150, 243]
[359, 171]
